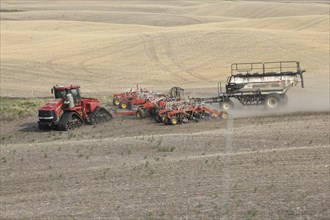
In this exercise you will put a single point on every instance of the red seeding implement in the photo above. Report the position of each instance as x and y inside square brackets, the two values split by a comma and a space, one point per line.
[171, 108]
[181, 112]
[131, 97]
[68, 110]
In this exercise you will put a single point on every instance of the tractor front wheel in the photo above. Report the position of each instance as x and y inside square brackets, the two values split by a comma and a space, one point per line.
[70, 120]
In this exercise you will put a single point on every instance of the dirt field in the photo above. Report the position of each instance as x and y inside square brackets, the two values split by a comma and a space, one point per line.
[256, 165]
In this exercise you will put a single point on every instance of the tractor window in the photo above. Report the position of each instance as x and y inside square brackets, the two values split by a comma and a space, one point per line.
[76, 95]
[59, 94]
[73, 92]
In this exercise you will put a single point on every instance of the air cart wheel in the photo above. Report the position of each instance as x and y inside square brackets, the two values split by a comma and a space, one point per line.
[226, 104]
[272, 101]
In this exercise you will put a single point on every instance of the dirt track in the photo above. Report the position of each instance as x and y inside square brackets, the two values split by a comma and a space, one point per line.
[263, 167]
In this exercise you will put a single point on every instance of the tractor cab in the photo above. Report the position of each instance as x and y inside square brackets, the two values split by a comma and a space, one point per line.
[62, 92]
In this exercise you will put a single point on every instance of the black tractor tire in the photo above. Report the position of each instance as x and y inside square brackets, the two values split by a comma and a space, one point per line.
[100, 115]
[116, 101]
[64, 124]
[92, 116]
[272, 101]
[69, 121]
[226, 105]
[104, 115]
[140, 114]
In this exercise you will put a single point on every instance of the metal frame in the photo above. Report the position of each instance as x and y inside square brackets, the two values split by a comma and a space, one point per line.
[281, 67]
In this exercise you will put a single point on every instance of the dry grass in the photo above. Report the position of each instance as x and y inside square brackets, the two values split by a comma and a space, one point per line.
[11, 109]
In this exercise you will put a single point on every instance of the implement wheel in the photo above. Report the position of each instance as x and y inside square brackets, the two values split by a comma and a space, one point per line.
[116, 101]
[226, 104]
[224, 115]
[167, 121]
[158, 119]
[272, 101]
[124, 105]
[174, 120]
[140, 114]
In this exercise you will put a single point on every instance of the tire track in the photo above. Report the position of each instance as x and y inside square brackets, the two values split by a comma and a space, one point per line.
[180, 65]
[82, 64]
[150, 51]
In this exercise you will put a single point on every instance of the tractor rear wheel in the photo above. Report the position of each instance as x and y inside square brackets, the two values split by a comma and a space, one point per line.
[226, 105]
[272, 101]
[100, 115]
[103, 115]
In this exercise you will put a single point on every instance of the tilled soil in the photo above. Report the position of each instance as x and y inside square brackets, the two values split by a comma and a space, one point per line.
[273, 166]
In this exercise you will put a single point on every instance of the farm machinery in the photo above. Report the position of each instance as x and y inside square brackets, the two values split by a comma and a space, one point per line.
[181, 112]
[259, 84]
[68, 110]
[171, 108]
[133, 97]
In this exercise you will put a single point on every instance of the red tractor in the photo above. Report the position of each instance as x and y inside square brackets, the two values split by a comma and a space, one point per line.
[68, 110]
